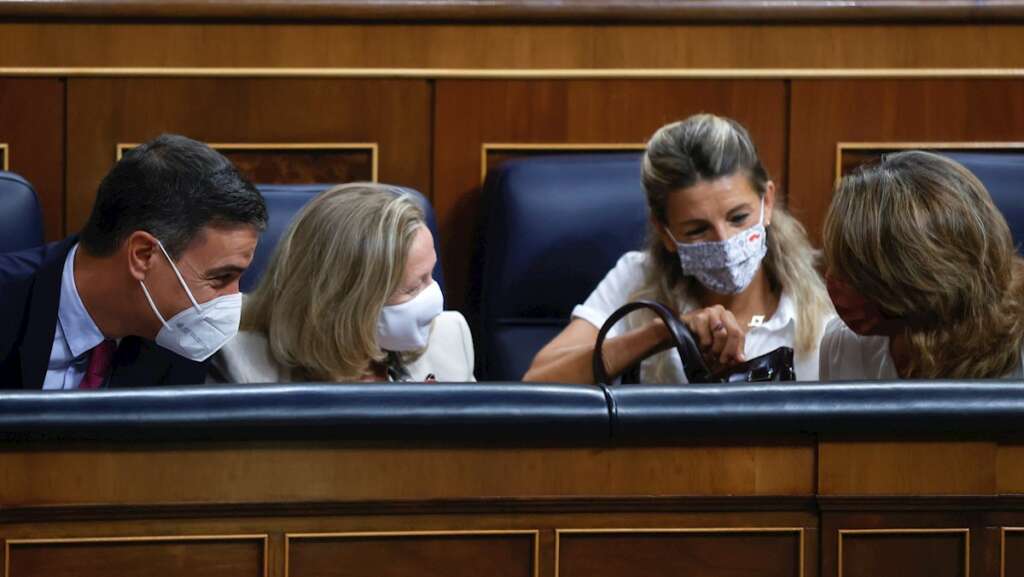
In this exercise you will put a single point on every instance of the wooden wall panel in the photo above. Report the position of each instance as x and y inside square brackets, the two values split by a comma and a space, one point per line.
[454, 555]
[826, 112]
[907, 553]
[907, 468]
[470, 113]
[243, 557]
[204, 473]
[1012, 552]
[490, 46]
[694, 553]
[102, 113]
[32, 127]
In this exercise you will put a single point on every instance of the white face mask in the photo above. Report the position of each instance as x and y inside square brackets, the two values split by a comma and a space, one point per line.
[727, 266]
[202, 329]
[406, 326]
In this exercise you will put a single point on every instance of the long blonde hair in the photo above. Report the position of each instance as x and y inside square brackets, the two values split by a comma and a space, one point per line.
[918, 235]
[706, 147]
[330, 275]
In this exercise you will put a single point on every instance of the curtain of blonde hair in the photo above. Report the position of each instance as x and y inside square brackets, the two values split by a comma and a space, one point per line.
[918, 235]
[707, 147]
[330, 275]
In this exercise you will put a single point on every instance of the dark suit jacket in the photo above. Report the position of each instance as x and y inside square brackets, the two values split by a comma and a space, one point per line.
[29, 299]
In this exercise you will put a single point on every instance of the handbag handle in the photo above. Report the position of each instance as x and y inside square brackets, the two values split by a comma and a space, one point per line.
[679, 335]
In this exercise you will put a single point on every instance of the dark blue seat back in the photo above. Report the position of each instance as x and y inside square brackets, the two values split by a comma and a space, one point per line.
[1003, 176]
[553, 227]
[21, 220]
[284, 202]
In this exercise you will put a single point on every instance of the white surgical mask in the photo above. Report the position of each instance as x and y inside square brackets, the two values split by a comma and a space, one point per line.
[406, 326]
[201, 329]
[727, 266]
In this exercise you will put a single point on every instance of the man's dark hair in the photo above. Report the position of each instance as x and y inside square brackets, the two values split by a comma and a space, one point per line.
[170, 187]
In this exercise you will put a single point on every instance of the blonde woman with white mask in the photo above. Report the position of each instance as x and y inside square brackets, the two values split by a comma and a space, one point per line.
[348, 297]
[720, 250]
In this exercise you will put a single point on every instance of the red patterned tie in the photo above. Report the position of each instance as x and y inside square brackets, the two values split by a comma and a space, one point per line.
[99, 365]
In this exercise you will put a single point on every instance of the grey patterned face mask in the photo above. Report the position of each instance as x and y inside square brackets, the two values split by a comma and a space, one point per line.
[727, 266]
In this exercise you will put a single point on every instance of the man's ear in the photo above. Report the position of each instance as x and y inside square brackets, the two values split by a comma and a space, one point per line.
[142, 252]
[769, 202]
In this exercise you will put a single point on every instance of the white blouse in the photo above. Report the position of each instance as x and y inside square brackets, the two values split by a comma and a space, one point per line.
[847, 356]
[629, 272]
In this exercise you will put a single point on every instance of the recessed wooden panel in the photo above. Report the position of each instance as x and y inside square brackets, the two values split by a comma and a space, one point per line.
[850, 155]
[32, 128]
[827, 112]
[495, 554]
[1012, 552]
[143, 557]
[909, 553]
[297, 163]
[694, 553]
[395, 114]
[470, 113]
[906, 468]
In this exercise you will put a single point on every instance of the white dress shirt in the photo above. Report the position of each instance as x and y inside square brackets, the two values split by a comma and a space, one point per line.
[76, 334]
[847, 356]
[623, 280]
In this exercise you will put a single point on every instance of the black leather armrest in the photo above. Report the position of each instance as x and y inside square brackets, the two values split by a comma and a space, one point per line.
[470, 413]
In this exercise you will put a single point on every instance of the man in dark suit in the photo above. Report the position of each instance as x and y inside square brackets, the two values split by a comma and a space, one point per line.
[148, 290]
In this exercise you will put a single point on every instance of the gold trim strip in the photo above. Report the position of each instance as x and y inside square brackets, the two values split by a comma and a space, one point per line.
[436, 533]
[373, 147]
[685, 530]
[505, 73]
[939, 145]
[263, 537]
[957, 531]
[1002, 546]
[7, 155]
[488, 147]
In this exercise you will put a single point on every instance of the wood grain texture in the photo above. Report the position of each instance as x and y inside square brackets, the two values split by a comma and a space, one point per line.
[500, 555]
[826, 112]
[904, 555]
[105, 112]
[699, 554]
[495, 46]
[523, 10]
[1012, 558]
[32, 126]
[906, 468]
[242, 558]
[333, 472]
[469, 113]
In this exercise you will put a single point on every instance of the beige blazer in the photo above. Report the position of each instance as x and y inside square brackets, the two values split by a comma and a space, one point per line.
[449, 356]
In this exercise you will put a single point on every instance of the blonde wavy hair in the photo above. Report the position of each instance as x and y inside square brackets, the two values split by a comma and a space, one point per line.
[329, 277]
[706, 147]
[918, 235]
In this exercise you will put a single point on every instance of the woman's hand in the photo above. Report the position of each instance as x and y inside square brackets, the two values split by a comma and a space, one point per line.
[720, 337]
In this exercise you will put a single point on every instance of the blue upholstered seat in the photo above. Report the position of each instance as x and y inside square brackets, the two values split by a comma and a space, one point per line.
[21, 220]
[553, 227]
[1002, 173]
[284, 201]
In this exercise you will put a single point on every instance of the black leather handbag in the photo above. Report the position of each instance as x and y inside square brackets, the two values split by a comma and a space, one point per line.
[771, 367]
